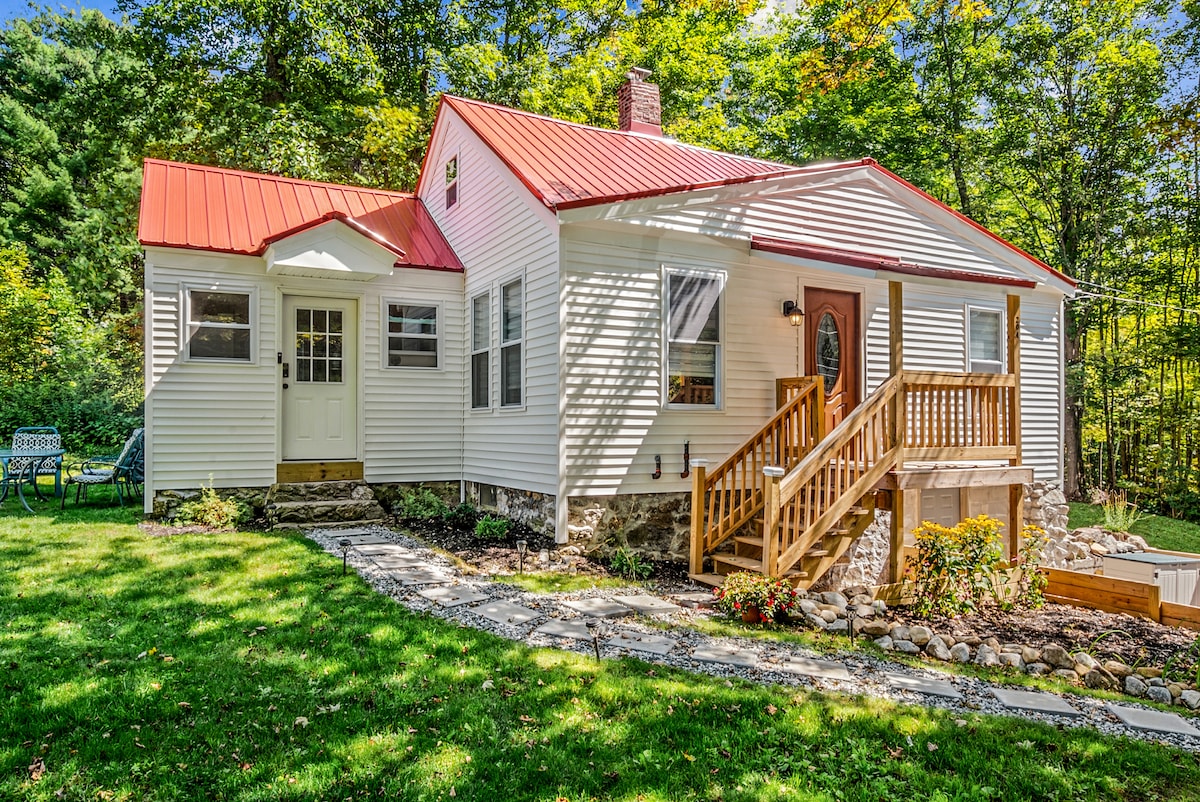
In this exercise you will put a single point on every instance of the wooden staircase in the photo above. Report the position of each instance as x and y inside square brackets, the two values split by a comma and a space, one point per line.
[792, 499]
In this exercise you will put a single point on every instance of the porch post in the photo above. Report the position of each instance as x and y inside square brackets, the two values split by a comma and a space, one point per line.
[896, 555]
[1016, 493]
[771, 474]
[696, 556]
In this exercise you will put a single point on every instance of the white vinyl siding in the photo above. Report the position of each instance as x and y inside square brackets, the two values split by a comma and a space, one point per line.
[501, 232]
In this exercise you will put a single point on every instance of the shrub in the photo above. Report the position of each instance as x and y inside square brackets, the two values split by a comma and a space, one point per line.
[212, 511]
[958, 568]
[420, 503]
[489, 528]
[742, 591]
[1120, 514]
[626, 563]
[462, 516]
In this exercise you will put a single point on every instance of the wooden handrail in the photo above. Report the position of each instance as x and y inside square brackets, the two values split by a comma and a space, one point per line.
[733, 491]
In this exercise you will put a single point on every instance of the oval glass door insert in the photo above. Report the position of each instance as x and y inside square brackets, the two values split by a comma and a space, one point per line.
[828, 352]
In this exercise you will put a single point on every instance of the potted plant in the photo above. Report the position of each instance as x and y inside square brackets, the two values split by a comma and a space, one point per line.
[754, 597]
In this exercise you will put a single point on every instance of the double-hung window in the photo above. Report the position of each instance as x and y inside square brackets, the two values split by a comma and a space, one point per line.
[985, 341]
[219, 325]
[412, 335]
[693, 312]
[481, 350]
[512, 329]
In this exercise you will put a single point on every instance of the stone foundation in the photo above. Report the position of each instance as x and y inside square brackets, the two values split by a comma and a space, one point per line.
[535, 510]
[654, 525]
[166, 502]
[1046, 506]
[865, 564]
[388, 493]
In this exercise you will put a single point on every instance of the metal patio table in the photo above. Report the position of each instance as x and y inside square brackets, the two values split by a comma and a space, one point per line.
[27, 475]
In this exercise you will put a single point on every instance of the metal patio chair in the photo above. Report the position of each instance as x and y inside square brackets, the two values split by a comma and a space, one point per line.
[38, 438]
[124, 471]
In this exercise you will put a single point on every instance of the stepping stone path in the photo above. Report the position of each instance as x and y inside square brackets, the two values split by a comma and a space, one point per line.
[429, 578]
[1152, 720]
[929, 687]
[639, 642]
[1034, 701]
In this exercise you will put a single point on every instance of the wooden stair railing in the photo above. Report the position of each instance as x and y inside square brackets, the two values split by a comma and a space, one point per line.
[732, 494]
[815, 495]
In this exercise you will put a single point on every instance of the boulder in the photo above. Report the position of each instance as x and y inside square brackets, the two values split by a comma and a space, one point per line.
[1117, 668]
[1011, 660]
[1057, 656]
[875, 628]
[834, 598]
[900, 632]
[920, 635]
[1158, 693]
[1067, 674]
[906, 646]
[808, 606]
[1190, 699]
[1037, 669]
[1149, 672]
[885, 643]
[1086, 660]
[987, 656]
[1030, 654]
[1135, 686]
[937, 649]
[960, 653]
[838, 625]
[815, 621]
[1100, 679]
[828, 616]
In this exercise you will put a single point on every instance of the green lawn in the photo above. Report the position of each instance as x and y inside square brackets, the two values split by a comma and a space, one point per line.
[244, 666]
[1159, 531]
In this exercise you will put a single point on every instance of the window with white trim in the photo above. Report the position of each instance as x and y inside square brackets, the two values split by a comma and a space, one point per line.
[220, 325]
[451, 181]
[693, 313]
[481, 350]
[985, 341]
[512, 329]
[412, 335]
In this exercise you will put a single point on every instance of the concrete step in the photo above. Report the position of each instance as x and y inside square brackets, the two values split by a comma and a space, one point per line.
[319, 491]
[302, 513]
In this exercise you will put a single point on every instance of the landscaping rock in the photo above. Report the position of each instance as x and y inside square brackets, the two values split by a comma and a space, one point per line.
[807, 606]
[875, 628]
[1156, 682]
[1086, 660]
[1100, 679]
[1011, 660]
[960, 653]
[937, 649]
[1135, 686]
[1158, 693]
[861, 599]
[1176, 689]
[920, 635]
[834, 598]
[1117, 668]
[900, 632]
[1190, 699]
[1067, 674]
[987, 656]
[1057, 656]
[864, 611]
[829, 616]
[839, 625]
[885, 643]
[1036, 669]
[815, 620]
[1031, 655]
[906, 646]
[1150, 672]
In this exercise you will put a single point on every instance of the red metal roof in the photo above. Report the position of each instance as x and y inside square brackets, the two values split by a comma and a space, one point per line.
[567, 165]
[230, 211]
[870, 261]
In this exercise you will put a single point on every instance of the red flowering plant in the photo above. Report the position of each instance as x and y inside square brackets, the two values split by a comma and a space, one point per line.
[742, 592]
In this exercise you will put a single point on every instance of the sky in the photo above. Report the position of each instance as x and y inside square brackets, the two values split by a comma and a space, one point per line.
[11, 9]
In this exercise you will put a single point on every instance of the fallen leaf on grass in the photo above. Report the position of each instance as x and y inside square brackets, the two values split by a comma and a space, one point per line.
[527, 719]
[36, 769]
[300, 721]
[931, 746]
[772, 709]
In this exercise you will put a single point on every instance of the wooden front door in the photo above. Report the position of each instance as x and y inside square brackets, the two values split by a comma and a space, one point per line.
[833, 349]
[319, 376]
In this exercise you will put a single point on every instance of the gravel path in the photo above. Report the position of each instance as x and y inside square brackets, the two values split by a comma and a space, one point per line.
[669, 640]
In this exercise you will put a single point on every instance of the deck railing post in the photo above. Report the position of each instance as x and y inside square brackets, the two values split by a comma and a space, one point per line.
[772, 474]
[699, 469]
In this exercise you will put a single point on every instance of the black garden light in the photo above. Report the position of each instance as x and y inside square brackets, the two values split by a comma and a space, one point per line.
[593, 628]
[344, 544]
[522, 547]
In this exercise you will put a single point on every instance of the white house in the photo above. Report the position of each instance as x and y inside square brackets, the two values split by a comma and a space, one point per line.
[565, 320]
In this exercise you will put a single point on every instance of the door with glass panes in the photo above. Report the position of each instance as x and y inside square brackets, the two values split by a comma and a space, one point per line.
[319, 379]
[833, 346]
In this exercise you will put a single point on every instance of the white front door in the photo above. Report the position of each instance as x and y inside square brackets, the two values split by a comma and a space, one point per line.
[319, 375]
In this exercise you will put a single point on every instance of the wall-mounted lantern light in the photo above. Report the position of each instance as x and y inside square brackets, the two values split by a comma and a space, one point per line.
[793, 312]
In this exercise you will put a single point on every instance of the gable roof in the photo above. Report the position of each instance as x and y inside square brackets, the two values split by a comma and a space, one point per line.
[570, 166]
[230, 211]
[566, 165]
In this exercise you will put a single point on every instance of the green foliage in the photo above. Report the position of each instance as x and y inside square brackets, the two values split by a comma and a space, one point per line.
[462, 516]
[1120, 514]
[489, 528]
[212, 511]
[742, 591]
[626, 563]
[958, 569]
[420, 503]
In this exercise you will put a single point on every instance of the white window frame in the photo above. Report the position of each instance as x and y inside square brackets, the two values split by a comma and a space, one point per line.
[985, 366]
[386, 334]
[452, 183]
[721, 277]
[517, 342]
[187, 330]
[485, 351]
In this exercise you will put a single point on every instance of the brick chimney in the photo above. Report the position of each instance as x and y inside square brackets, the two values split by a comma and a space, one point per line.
[638, 106]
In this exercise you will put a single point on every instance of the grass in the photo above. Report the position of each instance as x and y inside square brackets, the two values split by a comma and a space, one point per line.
[1159, 531]
[245, 666]
[550, 582]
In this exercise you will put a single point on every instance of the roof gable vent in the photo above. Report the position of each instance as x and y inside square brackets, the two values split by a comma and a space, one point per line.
[639, 109]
